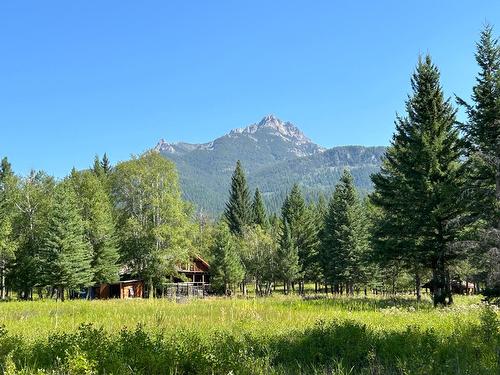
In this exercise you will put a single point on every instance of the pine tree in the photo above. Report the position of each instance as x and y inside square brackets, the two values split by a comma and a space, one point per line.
[319, 212]
[259, 210]
[345, 237]
[418, 187]
[226, 267]
[302, 231]
[482, 131]
[106, 164]
[238, 212]
[5, 169]
[482, 145]
[287, 258]
[66, 255]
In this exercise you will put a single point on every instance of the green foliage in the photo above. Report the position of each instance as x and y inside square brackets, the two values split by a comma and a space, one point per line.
[155, 227]
[482, 166]
[345, 237]
[272, 166]
[259, 214]
[238, 212]
[65, 257]
[8, 243]
[226, 268]
[292, 336]
[482, 131]
[33, 199]
[302, 230]
[419, 185]
[259, 257]
[287, 257]
[96, 210]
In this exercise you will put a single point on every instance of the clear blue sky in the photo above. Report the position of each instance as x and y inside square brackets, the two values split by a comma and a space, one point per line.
[84, 77]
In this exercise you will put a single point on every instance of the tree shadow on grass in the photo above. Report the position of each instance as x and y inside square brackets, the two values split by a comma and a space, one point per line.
[334, 347]
[357, 349]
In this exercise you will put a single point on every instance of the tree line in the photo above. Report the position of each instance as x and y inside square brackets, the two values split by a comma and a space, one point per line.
[58, 237]
[433, 218]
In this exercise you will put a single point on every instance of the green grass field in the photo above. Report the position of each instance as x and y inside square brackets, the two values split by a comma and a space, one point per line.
[249, 336]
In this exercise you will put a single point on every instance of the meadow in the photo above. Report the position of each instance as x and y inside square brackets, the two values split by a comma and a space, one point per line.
[276, 335]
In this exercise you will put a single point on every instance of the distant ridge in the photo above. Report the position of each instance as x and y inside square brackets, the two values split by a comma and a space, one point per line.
[275, 154]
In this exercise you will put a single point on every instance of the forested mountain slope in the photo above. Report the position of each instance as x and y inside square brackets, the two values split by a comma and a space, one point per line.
[275, 155]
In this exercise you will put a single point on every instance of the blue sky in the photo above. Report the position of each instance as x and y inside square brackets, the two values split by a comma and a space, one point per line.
[84, 77]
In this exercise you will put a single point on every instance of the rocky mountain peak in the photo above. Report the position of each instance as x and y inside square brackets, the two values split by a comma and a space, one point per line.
[272, 125]
[263, 133]
[163, 146]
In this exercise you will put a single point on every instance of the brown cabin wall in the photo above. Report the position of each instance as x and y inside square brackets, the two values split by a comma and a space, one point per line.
[103, 291]
[136, 286]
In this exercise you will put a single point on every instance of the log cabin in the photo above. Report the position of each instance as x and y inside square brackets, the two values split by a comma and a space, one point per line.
[197, 271]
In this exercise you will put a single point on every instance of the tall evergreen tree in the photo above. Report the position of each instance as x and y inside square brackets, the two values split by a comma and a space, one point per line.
[287, 258]
[66, 255]
[259, 210]
[106, 164]
[226, 268]
[345, 237]
[418, 187]
[482, 141]
[482, 132]
[302, 231]
[5, 169]
[238, 212]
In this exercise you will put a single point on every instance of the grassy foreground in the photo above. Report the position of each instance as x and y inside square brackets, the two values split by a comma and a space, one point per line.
[282, 335]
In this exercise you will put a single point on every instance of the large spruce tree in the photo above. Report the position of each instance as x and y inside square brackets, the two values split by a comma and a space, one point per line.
[238, 212]
[482, 132]
[66, 255]
[418, 187]
[482, 141]
[345, 237]
[302, 228]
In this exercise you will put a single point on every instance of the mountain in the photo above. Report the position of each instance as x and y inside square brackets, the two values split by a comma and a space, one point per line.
[275, 154]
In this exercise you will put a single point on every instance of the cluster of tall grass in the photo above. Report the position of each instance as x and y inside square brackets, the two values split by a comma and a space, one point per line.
[284, 335]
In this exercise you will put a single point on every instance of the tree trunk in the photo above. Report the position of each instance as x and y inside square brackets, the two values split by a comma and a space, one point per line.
[151, 288]
[417, 286]
[2, 280]
[497, 184]
[439, 284]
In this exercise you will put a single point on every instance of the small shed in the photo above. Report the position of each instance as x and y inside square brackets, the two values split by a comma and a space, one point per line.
[122, 289]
